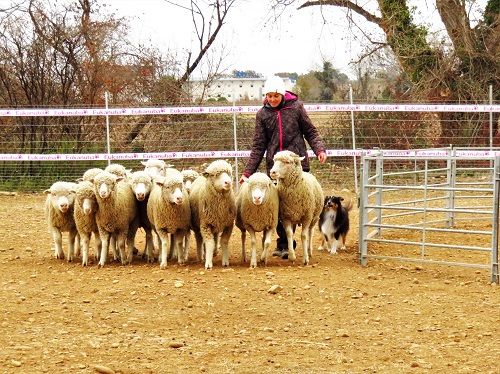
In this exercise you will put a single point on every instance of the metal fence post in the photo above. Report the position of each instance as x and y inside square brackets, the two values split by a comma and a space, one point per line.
[363, 215]
[495, 276]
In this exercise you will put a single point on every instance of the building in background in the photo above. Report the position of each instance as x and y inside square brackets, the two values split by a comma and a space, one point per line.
[232, 89]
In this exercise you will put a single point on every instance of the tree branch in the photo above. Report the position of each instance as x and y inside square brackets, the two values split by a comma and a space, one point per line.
[345, 4]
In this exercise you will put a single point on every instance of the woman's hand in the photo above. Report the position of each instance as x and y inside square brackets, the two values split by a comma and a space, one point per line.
[322, 157]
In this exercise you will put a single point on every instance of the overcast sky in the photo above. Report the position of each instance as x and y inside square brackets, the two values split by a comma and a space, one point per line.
[298, 42]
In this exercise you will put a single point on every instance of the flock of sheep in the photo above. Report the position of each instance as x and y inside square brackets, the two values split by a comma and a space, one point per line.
[168, 204]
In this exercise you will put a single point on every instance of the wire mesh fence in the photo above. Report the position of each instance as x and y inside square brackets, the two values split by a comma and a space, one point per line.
[84, 135]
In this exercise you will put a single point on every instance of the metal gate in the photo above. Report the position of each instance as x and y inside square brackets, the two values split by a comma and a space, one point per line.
[428, 208]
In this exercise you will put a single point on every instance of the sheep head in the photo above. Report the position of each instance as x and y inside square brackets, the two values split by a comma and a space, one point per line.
[259, 185]
[105, 183]
[220, 174]
[285, 163]
[62, 195]
[171, 186]
[141, 184]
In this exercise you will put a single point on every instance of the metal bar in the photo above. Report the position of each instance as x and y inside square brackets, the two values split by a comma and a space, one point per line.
[437, 262]
[433, 229]
[434, 245]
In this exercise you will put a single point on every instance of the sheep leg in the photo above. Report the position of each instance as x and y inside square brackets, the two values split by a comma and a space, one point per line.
[149, 246]
[287, 225]
[98, 244]
[305, 242]
[112, 244]
[243, 250]
[71, 244]
[310, 245]
[172, 253]
[185, 245]
[266, 242]
[224, 244]
[57, 237]
[120, 243]
[209, 242]
[85, 239]
[77, 244]
[177, 239]
[253, 248]
[164, 236]
[106, 239]
[199, 245]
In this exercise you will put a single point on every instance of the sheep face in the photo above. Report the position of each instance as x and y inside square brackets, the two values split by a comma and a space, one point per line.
[62, 199]
[220, 174]
[141, 184]
[172, 189]
[284, 163]
[85, 197]
[105, 183]
[259, 185]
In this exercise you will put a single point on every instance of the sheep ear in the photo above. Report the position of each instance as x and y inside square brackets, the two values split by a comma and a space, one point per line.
[205, 174]
[143, 163]
[159, 180]
[119, 179]
[47, 192]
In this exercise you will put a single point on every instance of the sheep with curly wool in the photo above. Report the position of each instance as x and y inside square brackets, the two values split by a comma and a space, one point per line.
[142, 183]
[301, 199]
[213, 210]
[116, 215]
[59, 206]
[169, 212]
[257, 208]
[84, 214]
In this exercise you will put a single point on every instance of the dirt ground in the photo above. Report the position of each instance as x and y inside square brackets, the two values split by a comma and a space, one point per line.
[333, 316]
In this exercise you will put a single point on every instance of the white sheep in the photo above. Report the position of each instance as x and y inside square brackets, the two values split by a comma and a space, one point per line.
[118, 170]
[142, 183]
[188, 176]
[213, 210]
[116, 215]
[84, 214]
[155, 167]
[59, 206]
[169, 212]
[257, 208]
[301, 199]
[90, 174]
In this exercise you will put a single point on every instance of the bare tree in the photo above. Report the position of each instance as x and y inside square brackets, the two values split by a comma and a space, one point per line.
[434, 72]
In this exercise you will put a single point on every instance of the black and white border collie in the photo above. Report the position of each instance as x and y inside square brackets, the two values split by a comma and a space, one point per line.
[333, 224]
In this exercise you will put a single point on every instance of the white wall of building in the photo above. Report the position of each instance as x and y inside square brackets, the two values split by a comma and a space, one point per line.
[234, 89]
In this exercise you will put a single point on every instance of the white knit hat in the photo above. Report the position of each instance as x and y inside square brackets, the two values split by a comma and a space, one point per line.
[274, 84]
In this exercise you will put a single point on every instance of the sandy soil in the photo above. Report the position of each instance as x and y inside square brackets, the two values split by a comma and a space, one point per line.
[333, 316]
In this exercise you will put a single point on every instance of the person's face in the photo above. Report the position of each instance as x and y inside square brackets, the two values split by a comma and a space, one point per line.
[274, 98]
